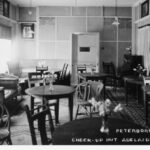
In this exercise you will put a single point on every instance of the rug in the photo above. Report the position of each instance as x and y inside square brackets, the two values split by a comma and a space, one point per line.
[133, 111]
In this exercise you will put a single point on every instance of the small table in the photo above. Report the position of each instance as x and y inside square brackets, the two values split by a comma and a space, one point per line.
[94, 76]
[59, 91]
[138, 82]
[87, 131]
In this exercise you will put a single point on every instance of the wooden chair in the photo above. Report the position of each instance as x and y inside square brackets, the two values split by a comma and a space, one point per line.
[5, 135]
[81, 68]
[112, 78]
[42, 69]
[40, 118]
[84, 91]
[146, 96]
[62, 75]
[35, 79]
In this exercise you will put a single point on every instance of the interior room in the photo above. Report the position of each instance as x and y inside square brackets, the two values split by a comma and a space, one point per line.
[74, 72]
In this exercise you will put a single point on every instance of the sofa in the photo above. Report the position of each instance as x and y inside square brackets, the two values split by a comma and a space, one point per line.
[8, 88]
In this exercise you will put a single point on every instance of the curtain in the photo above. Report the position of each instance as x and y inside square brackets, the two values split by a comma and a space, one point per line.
[144, 45]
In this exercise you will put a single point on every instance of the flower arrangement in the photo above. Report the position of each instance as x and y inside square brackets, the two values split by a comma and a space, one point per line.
[139, 69]
[41, 63]
[105, 109]
[49, 79]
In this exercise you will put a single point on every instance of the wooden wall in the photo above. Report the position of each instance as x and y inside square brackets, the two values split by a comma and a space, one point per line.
[54, 26]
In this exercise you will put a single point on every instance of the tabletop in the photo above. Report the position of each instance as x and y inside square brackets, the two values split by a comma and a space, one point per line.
[59, 90]
[87, 131]
[133, 80]
[95, 74]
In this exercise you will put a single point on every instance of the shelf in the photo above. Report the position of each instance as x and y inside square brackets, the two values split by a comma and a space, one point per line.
[144, 19]
[6, 21]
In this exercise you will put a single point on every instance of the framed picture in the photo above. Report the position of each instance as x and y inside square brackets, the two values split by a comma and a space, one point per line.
[27, 30]
[145, 8]
[5, 8]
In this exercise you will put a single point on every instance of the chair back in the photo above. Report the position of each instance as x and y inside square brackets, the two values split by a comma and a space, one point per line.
[4, 123]
[96, 89]
[81, 68]
[41, 69]
[146, 80]
[64, 71]
[34, 79]
[40, 119]
[109, 68]
[83, 91]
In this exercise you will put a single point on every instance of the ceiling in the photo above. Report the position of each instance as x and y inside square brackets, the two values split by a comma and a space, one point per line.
[33, 3]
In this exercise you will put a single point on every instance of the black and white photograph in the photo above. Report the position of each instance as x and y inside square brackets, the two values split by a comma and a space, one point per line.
[74, 72]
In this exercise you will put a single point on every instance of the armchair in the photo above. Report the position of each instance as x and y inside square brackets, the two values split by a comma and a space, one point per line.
[9, 89]
[14, 68]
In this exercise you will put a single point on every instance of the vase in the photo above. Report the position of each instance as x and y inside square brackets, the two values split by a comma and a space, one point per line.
[140, 75]
[51, 87]
[104, 127]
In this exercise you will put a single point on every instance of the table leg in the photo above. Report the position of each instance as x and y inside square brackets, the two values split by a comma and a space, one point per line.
[32, 104]
[70, 100]
[57, 111]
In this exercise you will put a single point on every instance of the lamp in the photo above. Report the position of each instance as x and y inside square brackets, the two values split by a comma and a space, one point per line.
[30, 31]
[30, 5]
[116, 22]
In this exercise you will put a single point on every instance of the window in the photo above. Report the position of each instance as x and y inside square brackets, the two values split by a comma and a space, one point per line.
[5, 54]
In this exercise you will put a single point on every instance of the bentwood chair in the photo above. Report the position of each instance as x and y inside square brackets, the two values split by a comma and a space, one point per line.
[46, 130]
[85, 91]
[35, 79]
[81, 69]
[5, 135]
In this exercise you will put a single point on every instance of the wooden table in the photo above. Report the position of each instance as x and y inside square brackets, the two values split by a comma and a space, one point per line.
[134, 80]
[59, 92]
[94, 76]
[87, 131]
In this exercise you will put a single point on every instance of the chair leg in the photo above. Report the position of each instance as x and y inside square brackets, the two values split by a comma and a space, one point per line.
[90, 112]
[9, 142]
[57, 112]
[77, 112]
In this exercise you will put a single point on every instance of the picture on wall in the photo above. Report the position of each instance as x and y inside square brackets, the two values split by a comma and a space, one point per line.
[6, 8]
[145, 8]
[27, 30]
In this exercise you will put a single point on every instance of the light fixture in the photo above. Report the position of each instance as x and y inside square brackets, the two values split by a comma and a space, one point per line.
[30, 5]
[30, 31]
[116, 22]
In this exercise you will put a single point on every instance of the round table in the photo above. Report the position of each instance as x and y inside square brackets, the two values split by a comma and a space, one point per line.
[60, 91]
[87, 131]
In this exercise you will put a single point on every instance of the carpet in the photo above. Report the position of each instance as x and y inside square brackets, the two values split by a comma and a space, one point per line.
[20, 133]
[133, 111]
